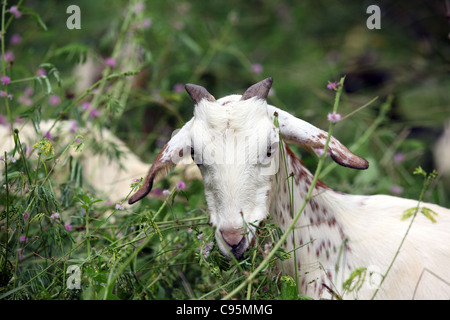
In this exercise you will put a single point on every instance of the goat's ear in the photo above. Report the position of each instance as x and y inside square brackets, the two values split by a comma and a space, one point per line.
[294, 130]
[177, 148]
[260, 90]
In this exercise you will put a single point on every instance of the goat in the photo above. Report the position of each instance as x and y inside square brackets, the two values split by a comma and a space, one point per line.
[236, 146]
[108, 177]
[99, 171]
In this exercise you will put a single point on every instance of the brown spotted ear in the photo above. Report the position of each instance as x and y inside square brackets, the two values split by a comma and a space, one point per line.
[176, 149]
[160, 165]
[294, 130]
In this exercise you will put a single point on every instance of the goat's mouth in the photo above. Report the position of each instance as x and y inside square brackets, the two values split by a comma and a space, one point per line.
[236, 241]
[237, 250]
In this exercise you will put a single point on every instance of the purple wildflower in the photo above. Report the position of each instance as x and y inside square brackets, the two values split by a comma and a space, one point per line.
[16, 39]
[74, 128]
[94, 113]
[15, 11]
[334, 117]
[399, 157]
[12, 159]
[20, 252]
[110, 62]
[26, 215]
[86, 106]
[181, 185]
[139, 7]
[257, 68]
[178, 87]
[68, 227]
[5, 80]
[26, 101]
[54, 100]
[55, 215]
[119, 206]
[396, 190]
[41, 72]
[332, 86]
[28, 91]
[3, 94]
[146, 23]
[48, 135]
[9, 56]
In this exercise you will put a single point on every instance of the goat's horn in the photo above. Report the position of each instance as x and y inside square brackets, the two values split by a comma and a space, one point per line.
[197, 93]
[260, 90]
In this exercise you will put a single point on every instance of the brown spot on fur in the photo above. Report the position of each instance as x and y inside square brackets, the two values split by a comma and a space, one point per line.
[332, 222]
[314, 205]
[302, 173]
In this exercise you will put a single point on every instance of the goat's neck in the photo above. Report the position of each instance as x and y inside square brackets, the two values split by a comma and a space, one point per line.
[291, 186]
[320, 235]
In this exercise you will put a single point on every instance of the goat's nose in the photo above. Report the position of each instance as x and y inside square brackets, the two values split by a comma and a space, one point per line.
[233, 236]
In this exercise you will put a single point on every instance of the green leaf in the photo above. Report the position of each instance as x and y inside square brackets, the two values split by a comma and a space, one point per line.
[34, 113]
[73, 51]
[13, 175]
[35, 16]
[408, 213]
[427, 212]
[289, 290]
[356, 280]
[45, 84]
[419, 170]
[114, 106]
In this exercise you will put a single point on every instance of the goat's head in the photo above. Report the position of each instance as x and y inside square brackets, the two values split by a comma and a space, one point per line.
[235, 143]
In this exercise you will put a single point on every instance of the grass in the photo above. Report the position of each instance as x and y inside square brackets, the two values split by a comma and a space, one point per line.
[61, 239]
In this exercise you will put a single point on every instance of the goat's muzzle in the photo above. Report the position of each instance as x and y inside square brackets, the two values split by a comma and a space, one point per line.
[236, 241]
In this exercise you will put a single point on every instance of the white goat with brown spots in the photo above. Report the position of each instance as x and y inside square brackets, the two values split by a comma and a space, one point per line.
[236, 145]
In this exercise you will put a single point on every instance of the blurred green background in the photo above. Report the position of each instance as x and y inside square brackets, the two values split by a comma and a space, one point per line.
[228, 45]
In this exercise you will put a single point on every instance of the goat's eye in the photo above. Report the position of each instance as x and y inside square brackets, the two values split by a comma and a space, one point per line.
[193, 157]
[270, 151]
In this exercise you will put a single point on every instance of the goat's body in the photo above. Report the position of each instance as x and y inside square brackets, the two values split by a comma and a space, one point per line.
[340, 233]
[104, 174]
